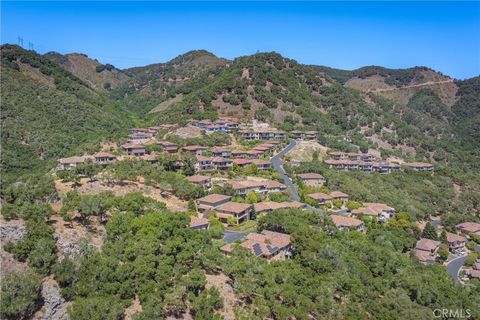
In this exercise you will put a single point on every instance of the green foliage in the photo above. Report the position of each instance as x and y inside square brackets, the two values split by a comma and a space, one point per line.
[206, 140]
[204, 306]
[97, 308]
[347, 275]
[20, 295]
[42, 122]
[429, 232]
[154, 256]
[37, 246]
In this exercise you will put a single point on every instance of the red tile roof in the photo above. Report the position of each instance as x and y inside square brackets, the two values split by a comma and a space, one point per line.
[214, 198]
[103, 155]
[311, 175]
[469, 226]
[341, 221]
[427, 244]
[320, 196]
[197, 222]
[132, 146]
[234, 207]
[452, 237]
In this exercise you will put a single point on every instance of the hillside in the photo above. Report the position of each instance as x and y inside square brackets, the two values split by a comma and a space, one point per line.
[47, 113]
[115, 239]
[153, 84]
[97, 75]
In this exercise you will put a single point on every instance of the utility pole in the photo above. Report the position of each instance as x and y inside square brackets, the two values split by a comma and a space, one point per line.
[30, 46]
[20, 41]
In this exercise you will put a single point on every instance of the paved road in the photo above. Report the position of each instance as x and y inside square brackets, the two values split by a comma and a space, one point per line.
[277, 165]
[454, 266]
[230, 236]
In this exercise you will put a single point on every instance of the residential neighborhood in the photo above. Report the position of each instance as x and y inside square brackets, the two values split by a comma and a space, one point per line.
[242, 184]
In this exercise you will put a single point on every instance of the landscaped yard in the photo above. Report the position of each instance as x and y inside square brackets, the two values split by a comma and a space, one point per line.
[250, 225]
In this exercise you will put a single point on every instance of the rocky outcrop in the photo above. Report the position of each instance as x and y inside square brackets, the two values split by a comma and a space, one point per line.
[11, 231]
[54, 306]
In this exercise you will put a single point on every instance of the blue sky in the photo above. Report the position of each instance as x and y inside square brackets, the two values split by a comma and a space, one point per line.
[442, 35]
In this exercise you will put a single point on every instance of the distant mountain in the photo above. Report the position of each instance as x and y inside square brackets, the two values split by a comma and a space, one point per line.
[415, 113]
[398, 84]
[150, 85]
[48, 112]
[97, 75]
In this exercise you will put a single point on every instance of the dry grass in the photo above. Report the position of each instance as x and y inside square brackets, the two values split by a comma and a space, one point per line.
[165, 104]
[189, 132]
[304, 150]
[221, 282]
[172, 202]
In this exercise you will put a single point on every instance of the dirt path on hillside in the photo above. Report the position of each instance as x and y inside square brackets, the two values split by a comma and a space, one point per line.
[425, 84]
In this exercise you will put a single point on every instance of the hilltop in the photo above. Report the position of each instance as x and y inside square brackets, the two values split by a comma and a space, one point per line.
[98, 76]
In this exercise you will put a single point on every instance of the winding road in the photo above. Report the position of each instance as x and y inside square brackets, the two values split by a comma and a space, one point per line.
[454, 265]
[277, 165]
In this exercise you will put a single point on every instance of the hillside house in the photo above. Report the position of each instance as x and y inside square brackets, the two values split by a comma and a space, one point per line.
[254, 154]
[71, 162]
[274, 186]
[469, 227]
[239, 154]
[456, 242]
[312, 179]
[203, 181]
[267, 244]
[386, 167]
[320, 197]
[139, 137]
[263, 149]
[220, 163]
[242, 163]
[419, 166]
[307, 135]
[353, 156]
[204, 163]
[310, 135]
[262, 134]
[426, 250]
[104, 158]
[244, 187]
[263, 207]
[379, 211]
[240, 212]
[346, 223]
[221, 152]
[134, 149]
[337, 195]
[195, 150]
[211, 201]
[261, 164]
[197, 223]
[168, 146]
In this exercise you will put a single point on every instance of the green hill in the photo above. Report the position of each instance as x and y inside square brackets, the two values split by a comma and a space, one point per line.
[47, 113]
[98, 76]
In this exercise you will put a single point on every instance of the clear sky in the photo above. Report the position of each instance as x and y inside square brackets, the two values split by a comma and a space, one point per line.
[442, 35]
